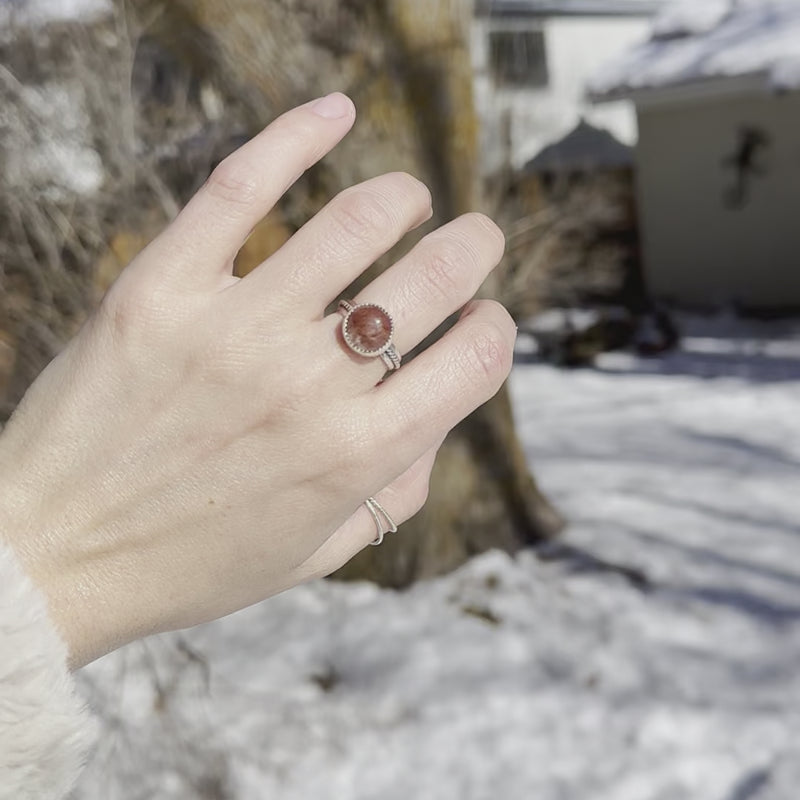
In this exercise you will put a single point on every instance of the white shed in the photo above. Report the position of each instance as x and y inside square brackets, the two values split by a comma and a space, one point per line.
[717, 94]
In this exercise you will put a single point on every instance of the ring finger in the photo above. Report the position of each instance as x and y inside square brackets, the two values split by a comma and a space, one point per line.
[425, 287]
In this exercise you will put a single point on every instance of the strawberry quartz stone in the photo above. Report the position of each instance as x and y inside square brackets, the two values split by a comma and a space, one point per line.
[368, 330]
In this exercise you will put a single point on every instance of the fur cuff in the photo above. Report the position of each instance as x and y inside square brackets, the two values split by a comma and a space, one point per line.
[45, 731]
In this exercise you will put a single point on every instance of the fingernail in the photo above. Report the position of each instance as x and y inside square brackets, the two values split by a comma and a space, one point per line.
[334, 106]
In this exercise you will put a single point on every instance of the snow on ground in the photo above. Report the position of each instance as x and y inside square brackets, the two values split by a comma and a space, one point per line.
[695, 40]
[518, 678]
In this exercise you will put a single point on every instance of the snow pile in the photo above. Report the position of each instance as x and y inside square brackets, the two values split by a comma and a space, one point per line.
[48, 143]
[41, 12]
[695, 41]
[671, 672]
[689, 17]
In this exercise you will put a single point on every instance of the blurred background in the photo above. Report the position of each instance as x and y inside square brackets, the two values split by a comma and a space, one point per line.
[602, 598]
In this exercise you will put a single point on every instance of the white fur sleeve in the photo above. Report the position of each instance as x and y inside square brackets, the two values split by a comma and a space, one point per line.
[45, 731]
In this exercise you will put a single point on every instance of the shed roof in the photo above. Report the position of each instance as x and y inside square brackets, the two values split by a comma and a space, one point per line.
[585, 149]
[696, 41]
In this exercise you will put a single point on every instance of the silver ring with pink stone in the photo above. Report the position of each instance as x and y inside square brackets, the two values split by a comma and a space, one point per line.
[367, 329]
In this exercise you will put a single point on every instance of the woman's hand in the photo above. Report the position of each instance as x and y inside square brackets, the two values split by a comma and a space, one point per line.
[207, 441]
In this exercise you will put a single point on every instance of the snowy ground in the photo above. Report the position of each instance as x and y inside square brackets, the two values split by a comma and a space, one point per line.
[519, 678]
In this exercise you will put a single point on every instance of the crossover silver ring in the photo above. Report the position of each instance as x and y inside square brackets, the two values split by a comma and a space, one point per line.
[383, 522]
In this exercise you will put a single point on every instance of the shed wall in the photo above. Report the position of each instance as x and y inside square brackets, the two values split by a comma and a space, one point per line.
[698, 247]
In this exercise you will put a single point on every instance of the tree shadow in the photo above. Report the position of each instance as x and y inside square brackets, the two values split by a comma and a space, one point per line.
[751, 785]
[734, 446]
[757, 367]
[721, 514]
[749, 603]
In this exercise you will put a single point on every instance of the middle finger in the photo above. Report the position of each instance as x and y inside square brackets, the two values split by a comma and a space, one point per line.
[357, 227]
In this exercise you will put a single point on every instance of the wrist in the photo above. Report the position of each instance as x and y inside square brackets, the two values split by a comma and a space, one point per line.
[33, 533]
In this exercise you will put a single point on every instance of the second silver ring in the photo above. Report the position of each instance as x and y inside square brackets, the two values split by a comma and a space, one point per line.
[383, 522]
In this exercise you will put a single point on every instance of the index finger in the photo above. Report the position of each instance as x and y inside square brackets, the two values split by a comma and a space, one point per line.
[205, 237]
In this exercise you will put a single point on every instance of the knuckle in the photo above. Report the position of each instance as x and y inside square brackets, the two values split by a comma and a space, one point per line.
[348, 455]
[300, 133]
[405, 422]
[285, 395]
[447, 260]
[125, 310]
[348, 441]
[490, 353]
[118, 316]
[491, 231]
[232, 183]
[139, 305]
[362, 215]
[488, 224]
[357, 446]
[412, 187]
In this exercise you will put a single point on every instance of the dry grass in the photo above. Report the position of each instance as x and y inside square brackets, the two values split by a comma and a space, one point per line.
[91, 168]
[567, 246]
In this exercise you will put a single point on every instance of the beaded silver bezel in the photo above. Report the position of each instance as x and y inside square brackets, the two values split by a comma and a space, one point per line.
[348, 308]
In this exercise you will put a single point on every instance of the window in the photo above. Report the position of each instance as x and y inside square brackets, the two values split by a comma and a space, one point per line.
[518, 58]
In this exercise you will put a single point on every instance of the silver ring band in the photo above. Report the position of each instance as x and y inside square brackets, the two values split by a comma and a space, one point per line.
[391, 358]
[383, 522]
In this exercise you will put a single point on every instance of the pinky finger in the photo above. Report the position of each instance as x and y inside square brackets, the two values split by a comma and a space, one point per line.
[402, 499]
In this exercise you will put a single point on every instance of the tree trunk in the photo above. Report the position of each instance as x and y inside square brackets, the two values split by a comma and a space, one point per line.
[407, 65]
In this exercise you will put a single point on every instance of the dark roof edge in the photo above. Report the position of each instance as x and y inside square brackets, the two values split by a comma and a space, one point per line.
[522, 9]
[699, 89]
